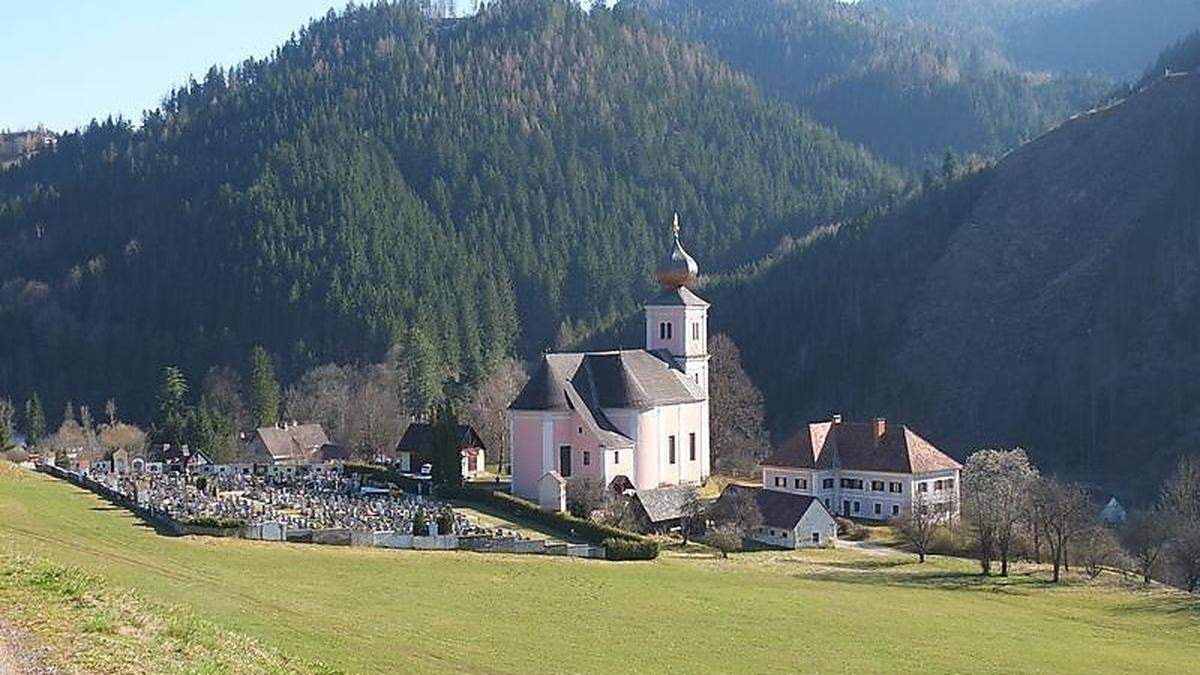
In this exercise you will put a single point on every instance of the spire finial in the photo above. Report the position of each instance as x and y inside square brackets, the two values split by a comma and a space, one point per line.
[675, 226]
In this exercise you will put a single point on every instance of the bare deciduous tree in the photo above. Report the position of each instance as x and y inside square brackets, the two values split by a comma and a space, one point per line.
[918, 524]
[1181, 506]
[585, 494]
[1144, 535]
[488, 408]
[692, 513]
[1066, 515]
[739, 436]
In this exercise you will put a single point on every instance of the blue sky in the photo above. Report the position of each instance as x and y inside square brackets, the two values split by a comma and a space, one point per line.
[65, 62]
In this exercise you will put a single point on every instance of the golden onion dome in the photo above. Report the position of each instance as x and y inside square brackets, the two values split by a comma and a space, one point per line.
[677, 269]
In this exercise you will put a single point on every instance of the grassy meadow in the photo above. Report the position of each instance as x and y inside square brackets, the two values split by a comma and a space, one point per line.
[365, 610]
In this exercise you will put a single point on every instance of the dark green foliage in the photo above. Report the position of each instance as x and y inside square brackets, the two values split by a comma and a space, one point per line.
[35, 421]
[908, 90]
[173, 411]
[447, 456]
[477, 183]
[420, 523]
[1182, 57]
[264, 389]
[624, 549]
[215, 522]
[7, 427]
[445, 521]
[564, 523]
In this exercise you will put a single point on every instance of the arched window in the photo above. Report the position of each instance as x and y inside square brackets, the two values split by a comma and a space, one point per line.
[668, 330]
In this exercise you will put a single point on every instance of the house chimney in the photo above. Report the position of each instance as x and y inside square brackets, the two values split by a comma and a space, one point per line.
[837, 419]
[880, 427]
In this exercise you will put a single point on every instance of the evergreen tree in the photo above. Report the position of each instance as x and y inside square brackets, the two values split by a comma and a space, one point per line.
[173, 410]
[264, 389]
[424, 382]
[35, 421]
[7, 432]
[447, 455]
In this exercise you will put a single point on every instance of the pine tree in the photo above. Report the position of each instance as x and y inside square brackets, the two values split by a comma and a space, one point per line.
[35, 421]
[264, 389]
[7, 433]
[447, 455]
[424, 384]
[172, 407]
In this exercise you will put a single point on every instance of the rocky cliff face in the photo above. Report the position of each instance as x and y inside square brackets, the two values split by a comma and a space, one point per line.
[1064, 313]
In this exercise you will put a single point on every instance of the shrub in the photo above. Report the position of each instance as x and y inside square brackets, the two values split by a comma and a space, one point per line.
[624, 549]
[589, 531]
[420, 524]
[850, 530]
[445, 521]
[213, 521]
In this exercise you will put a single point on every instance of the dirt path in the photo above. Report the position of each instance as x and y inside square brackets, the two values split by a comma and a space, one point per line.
[19, 653]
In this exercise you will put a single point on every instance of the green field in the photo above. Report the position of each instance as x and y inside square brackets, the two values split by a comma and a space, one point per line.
[829, 611]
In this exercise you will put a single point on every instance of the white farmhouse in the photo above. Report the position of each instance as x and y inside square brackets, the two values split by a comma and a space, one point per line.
[872, 470]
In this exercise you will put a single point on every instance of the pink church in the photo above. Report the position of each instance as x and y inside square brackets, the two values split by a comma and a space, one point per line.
[638, 414]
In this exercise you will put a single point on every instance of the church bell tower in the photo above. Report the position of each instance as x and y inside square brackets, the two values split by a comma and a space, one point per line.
[677, 318]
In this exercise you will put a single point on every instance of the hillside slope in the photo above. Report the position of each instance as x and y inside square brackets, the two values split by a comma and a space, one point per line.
[905, 88]
[1113, 37]
[1052, 301]
[462, 188]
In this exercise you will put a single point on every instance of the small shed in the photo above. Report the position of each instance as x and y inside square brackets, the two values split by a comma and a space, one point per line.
[415, 449]
[660, 509]
[1113, 512]
[552, 492]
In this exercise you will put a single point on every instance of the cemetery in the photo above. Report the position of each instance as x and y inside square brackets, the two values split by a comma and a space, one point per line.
[321, 506]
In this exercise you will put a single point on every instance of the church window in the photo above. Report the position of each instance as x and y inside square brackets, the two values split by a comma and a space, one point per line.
[696, 330]
[692, 447]
[895, 509]
[669, 325]
[662, 330]
[616, 456]
[564, 461]
[671, 449]
[587, 458]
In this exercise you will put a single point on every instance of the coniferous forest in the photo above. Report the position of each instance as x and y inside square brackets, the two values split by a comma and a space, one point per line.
[459, 189]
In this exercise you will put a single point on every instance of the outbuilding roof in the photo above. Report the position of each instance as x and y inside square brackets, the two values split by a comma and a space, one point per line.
[871, 446]
[665, 503]
[778, 509]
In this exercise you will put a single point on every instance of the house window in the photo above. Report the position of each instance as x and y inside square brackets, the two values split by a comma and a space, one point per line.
[922, 487]
[949, 483]
[878, 506]
[937, 485]
[587, 458]
[895, 509]
[852, 483]
[696, 330]
[895, 487]
[816, 537]
[800, 483]
[580, 430]
[692, 445]
[827, 502]
[779, 481]
[877, 486]
[671, 449]
[828, 485]
[564, 461]
[857, 507]
[616, 456]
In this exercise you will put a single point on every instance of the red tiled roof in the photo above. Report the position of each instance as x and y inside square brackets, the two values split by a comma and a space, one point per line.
[856, 446]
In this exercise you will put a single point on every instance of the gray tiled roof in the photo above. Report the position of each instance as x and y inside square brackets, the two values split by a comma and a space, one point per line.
[594, 381]
[665, 503]
[778, 509]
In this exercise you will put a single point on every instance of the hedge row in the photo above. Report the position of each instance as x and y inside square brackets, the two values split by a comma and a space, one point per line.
[589, 531]
[212, 521]
[623, 549]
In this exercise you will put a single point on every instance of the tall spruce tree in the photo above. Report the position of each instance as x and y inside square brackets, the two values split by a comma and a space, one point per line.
[35, 421]
[447, 456]
[7, 431]
[172, 424]
[264, 389]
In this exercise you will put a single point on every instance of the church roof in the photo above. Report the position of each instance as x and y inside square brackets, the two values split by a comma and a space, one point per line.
[681, 296]
[594, 381]
[860, 447]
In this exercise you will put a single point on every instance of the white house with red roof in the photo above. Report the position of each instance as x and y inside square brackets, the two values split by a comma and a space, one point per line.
[873, 470]
[637, 414]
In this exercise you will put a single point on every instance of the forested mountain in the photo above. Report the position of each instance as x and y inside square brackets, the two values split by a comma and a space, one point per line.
[1112, 37]
[456, 190]
[1052, 301]
[905, 89]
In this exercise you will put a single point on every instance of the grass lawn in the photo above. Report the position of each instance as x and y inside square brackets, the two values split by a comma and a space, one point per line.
[828, 611]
